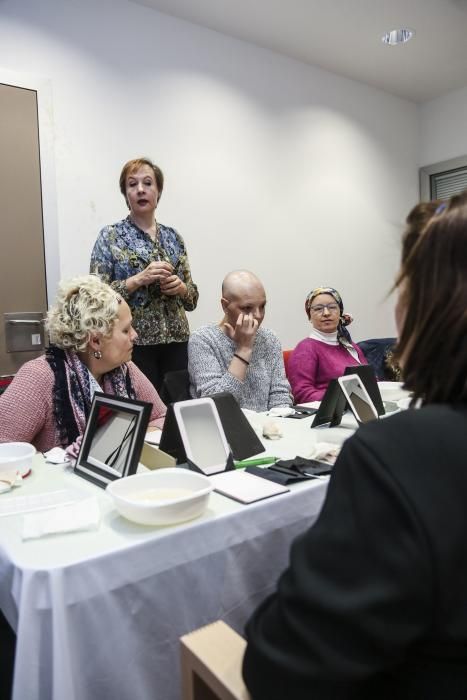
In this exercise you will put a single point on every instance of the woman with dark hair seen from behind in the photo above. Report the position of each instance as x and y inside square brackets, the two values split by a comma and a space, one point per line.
[92, 338]
[416, 221]
[373, 604]
[327, 351]
[147, 264]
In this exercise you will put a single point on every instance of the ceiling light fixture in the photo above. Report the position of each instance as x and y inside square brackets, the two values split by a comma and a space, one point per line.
[397, 36]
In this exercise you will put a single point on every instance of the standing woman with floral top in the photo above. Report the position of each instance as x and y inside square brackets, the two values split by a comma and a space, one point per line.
[147, 263]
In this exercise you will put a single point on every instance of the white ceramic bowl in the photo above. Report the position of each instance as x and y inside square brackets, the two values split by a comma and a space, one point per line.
[162, 497]
[16, 456]
[392, 391]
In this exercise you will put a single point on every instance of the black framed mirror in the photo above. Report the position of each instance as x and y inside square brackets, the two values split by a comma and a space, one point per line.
[113, 438]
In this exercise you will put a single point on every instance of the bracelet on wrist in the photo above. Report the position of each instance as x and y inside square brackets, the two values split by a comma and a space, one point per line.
[242, 359]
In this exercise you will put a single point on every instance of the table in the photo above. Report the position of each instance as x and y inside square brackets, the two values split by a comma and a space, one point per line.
[99, 614]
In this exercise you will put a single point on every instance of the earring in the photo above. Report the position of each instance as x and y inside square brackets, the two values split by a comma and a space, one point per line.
[97, 354]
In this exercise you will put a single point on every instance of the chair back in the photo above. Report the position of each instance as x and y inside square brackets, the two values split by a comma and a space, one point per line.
[376, 351]
[175, 386]
[286, 355]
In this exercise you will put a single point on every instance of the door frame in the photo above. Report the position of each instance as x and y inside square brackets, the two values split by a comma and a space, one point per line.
[43, 88]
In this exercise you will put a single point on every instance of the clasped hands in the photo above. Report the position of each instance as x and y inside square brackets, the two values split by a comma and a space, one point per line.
[163, 273]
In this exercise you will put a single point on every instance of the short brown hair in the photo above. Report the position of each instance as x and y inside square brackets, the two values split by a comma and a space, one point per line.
[433, 285]
[132, 165]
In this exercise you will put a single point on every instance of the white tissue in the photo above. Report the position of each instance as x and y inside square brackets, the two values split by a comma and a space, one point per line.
[271, 430]
[83, 515]
[325, 451]
[56, 455]
[153, 437]
[281, 411]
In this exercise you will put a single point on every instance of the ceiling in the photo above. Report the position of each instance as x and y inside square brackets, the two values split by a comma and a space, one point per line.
[344, 36]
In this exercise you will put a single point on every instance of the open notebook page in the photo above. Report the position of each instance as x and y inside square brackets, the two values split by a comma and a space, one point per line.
[244, 487]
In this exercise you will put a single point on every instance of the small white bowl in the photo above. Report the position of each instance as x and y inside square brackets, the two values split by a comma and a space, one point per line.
[16, 456]
[162, 497]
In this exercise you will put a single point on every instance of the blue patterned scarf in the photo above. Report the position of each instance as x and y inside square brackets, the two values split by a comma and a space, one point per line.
[72, 394]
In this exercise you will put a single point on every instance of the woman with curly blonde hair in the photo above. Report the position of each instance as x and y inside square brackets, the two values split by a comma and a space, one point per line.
[91, 341]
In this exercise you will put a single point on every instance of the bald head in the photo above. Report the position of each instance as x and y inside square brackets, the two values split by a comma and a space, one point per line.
[243, 292]
[240, 282]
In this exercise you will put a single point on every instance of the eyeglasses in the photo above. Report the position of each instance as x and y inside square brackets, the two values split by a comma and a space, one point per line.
[319, 308]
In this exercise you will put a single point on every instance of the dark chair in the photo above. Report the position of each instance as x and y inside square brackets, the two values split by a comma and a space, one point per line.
[175, 386]
[8, 647]
[376, 351]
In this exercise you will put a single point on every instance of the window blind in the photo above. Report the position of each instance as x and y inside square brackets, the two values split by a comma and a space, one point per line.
[446, 184]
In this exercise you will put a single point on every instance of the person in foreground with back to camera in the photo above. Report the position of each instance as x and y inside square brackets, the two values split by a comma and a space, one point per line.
[327, 351]
[91, 339]
[239, 355]
[373, 604]
[147, 264]
[416, 221]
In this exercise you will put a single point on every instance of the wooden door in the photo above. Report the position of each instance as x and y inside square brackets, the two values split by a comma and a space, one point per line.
[23, 296]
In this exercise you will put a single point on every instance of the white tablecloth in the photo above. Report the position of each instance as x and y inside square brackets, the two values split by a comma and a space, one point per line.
[99, 614]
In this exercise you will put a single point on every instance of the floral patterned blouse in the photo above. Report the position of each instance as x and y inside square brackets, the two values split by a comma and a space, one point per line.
[121, 251]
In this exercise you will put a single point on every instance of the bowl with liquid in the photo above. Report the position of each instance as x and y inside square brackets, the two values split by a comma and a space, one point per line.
[163, 497]
[16, 456]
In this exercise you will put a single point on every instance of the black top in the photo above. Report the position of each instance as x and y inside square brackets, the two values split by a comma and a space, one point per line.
[374, 602]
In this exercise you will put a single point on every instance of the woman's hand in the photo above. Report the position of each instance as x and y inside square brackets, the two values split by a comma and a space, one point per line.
[244, 333]
[173, 286]
[154, 272]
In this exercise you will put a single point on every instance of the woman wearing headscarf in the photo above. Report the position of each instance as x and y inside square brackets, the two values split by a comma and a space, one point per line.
[327, 351]
[91, 334]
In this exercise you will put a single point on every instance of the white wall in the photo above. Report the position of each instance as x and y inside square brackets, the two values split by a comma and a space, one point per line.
[443, 134]
[296, 173]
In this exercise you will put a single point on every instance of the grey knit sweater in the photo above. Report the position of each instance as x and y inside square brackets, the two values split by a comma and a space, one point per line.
[265, 385]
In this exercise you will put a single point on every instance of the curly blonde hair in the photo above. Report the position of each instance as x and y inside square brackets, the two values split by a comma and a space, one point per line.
[84, 306]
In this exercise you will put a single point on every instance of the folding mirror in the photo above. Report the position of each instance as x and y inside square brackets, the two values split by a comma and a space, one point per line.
[113, 438]
[203, 436]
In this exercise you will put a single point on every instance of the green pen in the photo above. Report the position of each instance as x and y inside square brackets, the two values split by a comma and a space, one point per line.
[254, 462]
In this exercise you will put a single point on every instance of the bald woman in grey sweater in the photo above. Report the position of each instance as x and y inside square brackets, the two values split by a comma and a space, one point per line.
[237, 354]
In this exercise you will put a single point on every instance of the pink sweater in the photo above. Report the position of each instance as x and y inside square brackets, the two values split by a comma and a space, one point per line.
[26, 411]
[313, 364]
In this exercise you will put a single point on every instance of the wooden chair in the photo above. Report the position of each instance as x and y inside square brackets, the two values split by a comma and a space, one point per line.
[211, 664]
